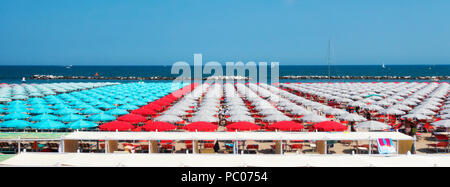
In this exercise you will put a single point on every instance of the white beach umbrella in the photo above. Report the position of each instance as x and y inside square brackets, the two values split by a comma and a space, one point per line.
[442, 123]
[168, 118]
[206, 118]
[313, 118]
[276, 118]
[416, 116]
[238, 118]
[391, 111]
[335, 111]
[372, 125]
[352, 117]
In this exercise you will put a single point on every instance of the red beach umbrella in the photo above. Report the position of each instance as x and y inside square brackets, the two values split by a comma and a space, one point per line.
[116, 125]
[158, 125]
[329, 126]
[243, 126]
[286, 126]
[153, 106]
[144, 111]
[201, 126]
[132, 118]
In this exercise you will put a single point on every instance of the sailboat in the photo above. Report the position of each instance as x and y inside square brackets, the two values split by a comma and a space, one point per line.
[24, 80]
[383, 66]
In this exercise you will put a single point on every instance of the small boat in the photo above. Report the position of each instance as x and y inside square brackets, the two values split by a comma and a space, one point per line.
[24, 80]
[69, 66]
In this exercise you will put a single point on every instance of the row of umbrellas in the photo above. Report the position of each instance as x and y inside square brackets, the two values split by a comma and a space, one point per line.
[96, 105]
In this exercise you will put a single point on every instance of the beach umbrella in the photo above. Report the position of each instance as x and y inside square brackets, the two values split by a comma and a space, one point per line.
[205, 118]
[373, 107]
[59, 106]
[82, 124]
[391, 111]
[352, 117]
[89, 111]
[442, 123]
[15, 115]
[158, 126]
[132, 118]
[65, 111]
[372, 125]
[16, 110]
[201, 126]
[116, 125]
[153, 106]
[105, 106]
[101, 117]
[48, 124]
[329, 126]
[286, 126]
[143, 111]
[18, 124]
[276, 118]
[313, 118]
[128, 107]
[43, 117]
[240, 118]
[72, 118]
[415, 116]
[117, 112]
[334, 111]
[138, 103]
[243, 126]
[41, 111]
[168, 118]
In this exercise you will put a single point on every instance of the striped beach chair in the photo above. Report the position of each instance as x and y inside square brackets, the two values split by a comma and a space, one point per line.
[385, 146]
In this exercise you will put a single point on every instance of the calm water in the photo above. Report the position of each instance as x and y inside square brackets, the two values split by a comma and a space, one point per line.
[13, 74]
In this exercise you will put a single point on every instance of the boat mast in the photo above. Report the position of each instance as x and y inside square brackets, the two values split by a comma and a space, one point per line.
[329, 60]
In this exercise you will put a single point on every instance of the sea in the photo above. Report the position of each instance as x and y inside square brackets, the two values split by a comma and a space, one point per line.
[14, 74]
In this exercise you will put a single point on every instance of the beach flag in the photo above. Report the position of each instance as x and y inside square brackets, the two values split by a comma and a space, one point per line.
[385, 146]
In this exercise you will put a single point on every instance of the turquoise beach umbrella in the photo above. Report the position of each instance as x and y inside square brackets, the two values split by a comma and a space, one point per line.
[72, 118]
[91, 111]
[117, 112]
[66, 111]
[128, 107]
[80, 124]
[59, 106]
[17, 110]
[41, 111]
[49, 124]
[138, 103]
[101, 117]
[43, 117]
[105, 106]
[15, 115]
[18, 124]
[82, 106]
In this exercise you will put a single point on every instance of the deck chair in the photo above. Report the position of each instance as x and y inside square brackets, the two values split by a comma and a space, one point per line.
[385, 146]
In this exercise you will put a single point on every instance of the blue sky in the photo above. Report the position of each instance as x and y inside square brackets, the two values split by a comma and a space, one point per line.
[144, 32]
